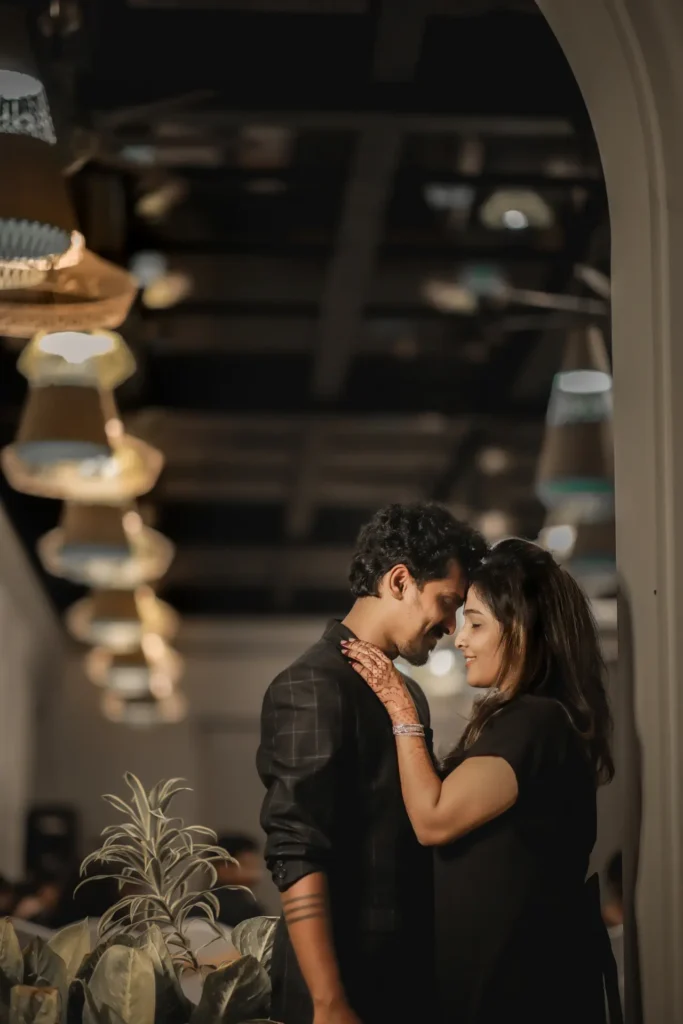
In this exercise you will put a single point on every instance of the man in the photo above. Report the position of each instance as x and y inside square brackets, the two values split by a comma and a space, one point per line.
[354, 943]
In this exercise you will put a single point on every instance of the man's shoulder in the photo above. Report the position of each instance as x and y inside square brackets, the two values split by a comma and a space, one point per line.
[317, 665]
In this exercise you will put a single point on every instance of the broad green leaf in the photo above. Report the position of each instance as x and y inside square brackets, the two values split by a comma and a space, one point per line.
[256, 937]
[72, 944]
[44, 968]
[171, 1005]
[34, 1005]
[88, 966]
[124, 981]
[233, 993]
[94, 1014]
[75, 1001]
[11, 960]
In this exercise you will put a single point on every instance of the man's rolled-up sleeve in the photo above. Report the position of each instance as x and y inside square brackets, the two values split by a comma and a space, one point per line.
[299, 764]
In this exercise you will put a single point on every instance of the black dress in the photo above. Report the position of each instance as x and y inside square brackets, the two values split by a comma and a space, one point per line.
[517, 937]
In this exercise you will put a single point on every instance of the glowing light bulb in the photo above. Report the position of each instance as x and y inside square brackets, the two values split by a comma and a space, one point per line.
[76, 347]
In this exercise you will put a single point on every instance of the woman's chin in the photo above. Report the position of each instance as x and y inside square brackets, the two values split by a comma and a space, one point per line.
[478, 684]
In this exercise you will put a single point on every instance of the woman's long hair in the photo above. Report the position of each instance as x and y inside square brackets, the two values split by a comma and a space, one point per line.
[548, 626]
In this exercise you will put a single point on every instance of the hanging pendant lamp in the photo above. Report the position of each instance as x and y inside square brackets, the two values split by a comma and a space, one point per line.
[576, 466]
[61, 425]
[515, 209]
[118, 619]
[593, 561]
[37, 221]
[105, 546]
[24, 108]
[153, 670]
[127, 469]
[144, 712]
[89, 296]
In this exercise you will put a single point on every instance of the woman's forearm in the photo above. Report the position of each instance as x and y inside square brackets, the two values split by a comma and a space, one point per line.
[420, 785]
[479, 790]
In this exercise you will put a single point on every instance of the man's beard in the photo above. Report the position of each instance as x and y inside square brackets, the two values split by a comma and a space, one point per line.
[417, 653]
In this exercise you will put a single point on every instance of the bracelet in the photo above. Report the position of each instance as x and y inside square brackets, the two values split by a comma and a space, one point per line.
[409, 729]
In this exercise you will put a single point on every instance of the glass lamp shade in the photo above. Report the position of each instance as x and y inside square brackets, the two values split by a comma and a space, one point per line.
[62, 425]
[89, 296]
[130, 470]
[118, 619]
[37, 221]
[576, 471]
[134, 674]
[100, 358]
[593, 561]
[144, 712]
[105, 546]
[576, 467]
[582, 390]
[24, 108]
[17, 274]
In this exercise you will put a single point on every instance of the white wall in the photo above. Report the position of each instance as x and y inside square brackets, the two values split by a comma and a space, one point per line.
[31, 653]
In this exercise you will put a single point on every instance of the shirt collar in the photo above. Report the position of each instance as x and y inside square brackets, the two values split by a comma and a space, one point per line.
[336, 631]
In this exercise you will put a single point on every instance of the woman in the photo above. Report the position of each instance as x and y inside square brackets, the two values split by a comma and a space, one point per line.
[513, 815]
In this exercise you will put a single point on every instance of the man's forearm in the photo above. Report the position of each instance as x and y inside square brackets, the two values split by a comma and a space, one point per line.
[305, 909]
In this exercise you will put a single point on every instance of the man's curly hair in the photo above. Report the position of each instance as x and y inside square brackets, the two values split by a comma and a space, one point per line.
[423, 536]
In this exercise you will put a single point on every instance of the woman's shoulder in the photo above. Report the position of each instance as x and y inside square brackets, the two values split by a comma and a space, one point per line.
[542, 707]
[537, 715]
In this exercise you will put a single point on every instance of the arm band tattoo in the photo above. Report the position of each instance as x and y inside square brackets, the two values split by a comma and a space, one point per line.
[320, 912]
[287, 901]
[303, 908]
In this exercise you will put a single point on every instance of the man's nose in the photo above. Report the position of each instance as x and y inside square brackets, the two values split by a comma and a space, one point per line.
[449, 626]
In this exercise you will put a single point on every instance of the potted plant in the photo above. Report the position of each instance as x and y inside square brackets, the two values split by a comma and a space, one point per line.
[134, 973]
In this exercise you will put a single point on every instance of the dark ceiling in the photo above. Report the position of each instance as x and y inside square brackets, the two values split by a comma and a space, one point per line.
[306, 379]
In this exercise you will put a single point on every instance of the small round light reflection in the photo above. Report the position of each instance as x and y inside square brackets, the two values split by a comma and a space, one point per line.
[442, 662]
[515, 220]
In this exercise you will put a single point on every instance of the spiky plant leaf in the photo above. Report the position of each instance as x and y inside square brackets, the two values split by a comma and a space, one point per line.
[124, 981]
[158, 855]
[34, 1005]
[233, 993]
[256, 938]
[72, 945]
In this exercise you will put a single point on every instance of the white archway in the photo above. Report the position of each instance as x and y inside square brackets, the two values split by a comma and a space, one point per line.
[627, 56]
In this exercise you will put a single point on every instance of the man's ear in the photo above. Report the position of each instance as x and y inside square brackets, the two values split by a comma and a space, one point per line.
[396, 581]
